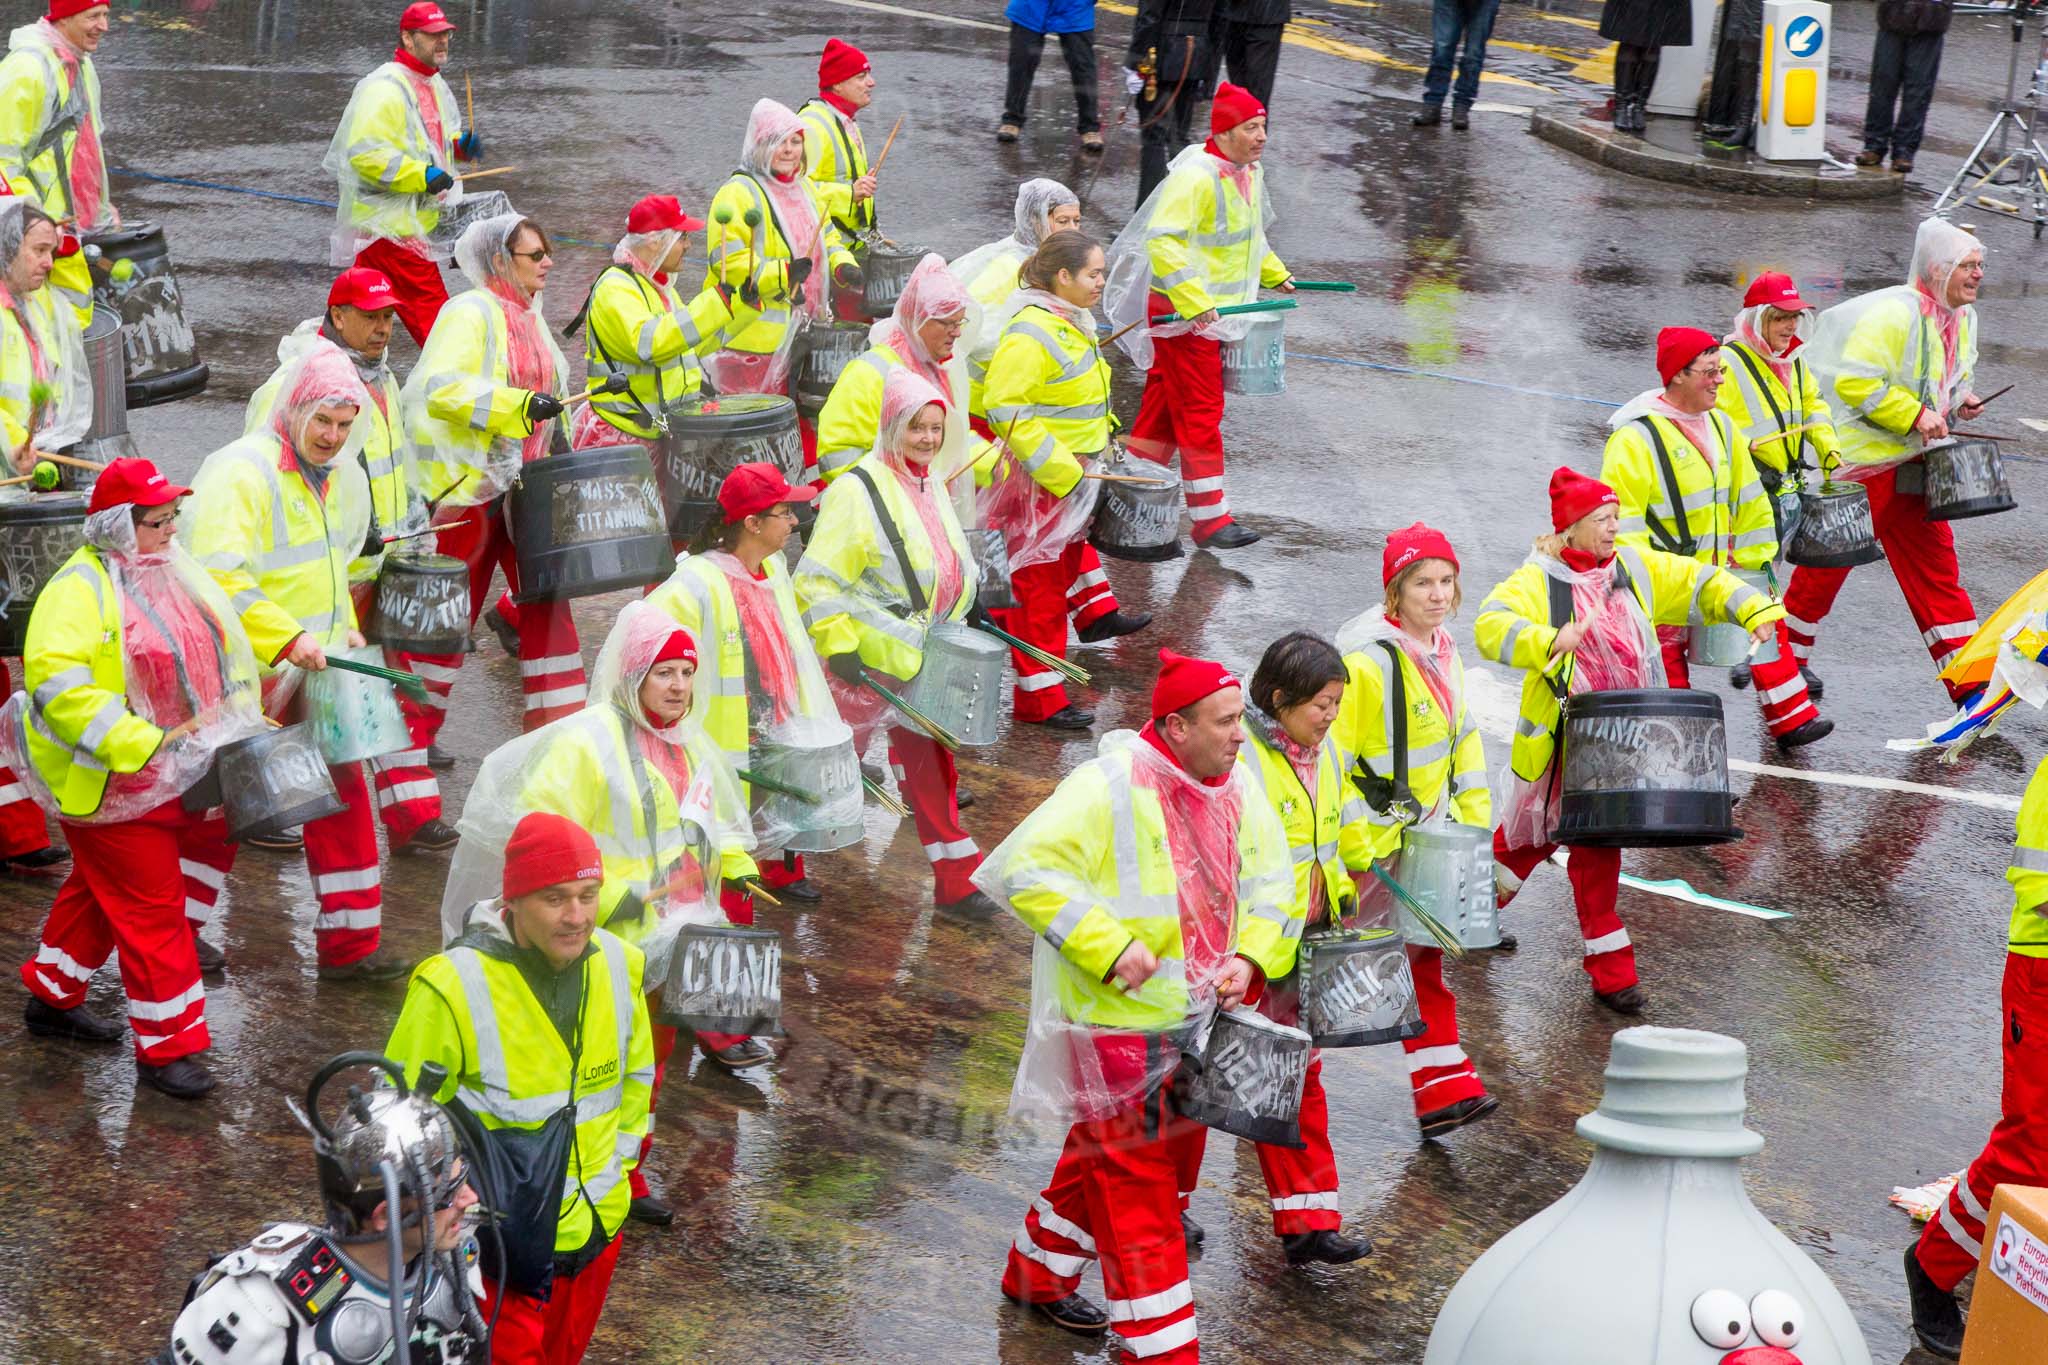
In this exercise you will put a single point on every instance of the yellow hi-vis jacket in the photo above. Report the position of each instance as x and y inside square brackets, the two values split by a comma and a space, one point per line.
[17, 367]
[699, 596]
[1092, 871]
[279, 548]
[384, 156]
[1048, 397]
[1313, 820]
[521, 1042]
[1761, 405]
[460, 403]
[2029, 871]
[1203, 233]
[41, 110]
[640, 329]
[74, 661]
[835, 157]
[591, 769]
[760, 252]
[1672, 501]
[991, 287]
[849, 584]
[1515, 627]
[852, 415]
[1893, 367]
[1446, 759]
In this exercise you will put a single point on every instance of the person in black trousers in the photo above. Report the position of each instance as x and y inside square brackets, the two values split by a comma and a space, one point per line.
[1251, 44]
[1171, 36]
[1643, 29]
[1738, 62]
[1902, 67]
[1073, 22]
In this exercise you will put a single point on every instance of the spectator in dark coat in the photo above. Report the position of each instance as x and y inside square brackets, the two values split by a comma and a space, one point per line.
[1251, 44]
[1450, 20]
[1172, 36]
[1902, 67]
[1073, 22]
[1738, 62]
[1643, 29]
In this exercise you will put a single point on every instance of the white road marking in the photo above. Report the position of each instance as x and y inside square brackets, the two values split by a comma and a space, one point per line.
[922, 14]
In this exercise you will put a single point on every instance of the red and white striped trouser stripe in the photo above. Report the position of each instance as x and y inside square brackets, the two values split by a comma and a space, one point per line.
[1439, 1073]
[341, 857]
[930, 785]
[1089, 596]
[408, 794]
[1595, 875]
[1780, 687]
[1181, 414]
[21, 820]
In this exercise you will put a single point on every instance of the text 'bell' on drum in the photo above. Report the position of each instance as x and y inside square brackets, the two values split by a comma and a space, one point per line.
[960, 684]
[354, 717]
[1966, 479]
[708, 438]
[268, 783]
[1448, 869]
[1723, 644]
[1356, 988]
[992, 557]
[822, 354]
[1139, 521]
[38, 532]
[422, 604]
[589, 522]
[1645, 768]
[885, 270]
[813, 755]
[723, 978]
[132, 276]
[1246, 1079]
[1255, 365]
[1835, 528]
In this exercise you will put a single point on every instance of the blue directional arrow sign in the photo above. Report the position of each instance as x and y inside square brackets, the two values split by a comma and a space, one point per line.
[1803, 36]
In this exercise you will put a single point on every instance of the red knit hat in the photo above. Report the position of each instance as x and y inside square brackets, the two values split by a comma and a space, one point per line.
[64, 9]
[547, 850]
[1777, 290]
[1573, 495]
[1678, 347]
[1411, 545]
[661, 213]
[1184, 681]
[841, 61]
[1234, 105]
[679, 645]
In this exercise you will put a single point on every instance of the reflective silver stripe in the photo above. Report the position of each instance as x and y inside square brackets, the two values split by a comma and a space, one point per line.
[644, 344]
[1134, 902]
[1514, 633]
[78, 675]
[1080, 412]
[833, 461]
[102, 724]
[1071, 367]
[1175, 277]
[1766, 535]
[247, 598]
[1046, 448]
[496, 1098]
[1529, 729]
[1066, 921]
[1739, 601]
[291, 557]
[2030, 859]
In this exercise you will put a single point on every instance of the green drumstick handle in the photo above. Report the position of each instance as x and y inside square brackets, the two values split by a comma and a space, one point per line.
[1232, 309]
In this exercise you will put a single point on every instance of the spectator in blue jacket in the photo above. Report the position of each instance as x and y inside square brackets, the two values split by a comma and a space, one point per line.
[1074, 23]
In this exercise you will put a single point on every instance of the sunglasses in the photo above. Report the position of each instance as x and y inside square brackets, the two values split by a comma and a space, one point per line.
[536, 256]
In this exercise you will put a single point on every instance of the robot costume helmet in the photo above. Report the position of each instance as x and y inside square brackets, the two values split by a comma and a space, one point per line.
[409, 1132]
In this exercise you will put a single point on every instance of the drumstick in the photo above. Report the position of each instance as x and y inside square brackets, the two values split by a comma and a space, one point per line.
[75, 464]
[1436, 930]
[887, 143]
[1073, 672]
[1971, 435]
[1792, 431]
[1983, 403]
[495, 170]
[755, 888]
[616, 383]
[881, 794]
[412, 535]
[1138, 479]
[1110, 340]
[770, 784]
[19, 478]
[938, 732]
[469, 99]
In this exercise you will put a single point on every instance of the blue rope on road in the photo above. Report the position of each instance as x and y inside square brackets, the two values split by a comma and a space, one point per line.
[225, 189]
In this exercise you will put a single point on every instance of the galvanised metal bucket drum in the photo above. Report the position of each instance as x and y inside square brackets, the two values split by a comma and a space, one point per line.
[1645, 768]
[813, 754]
[1255, 365]
[1356, 989]
[107, 439]
[723, 978]
[1723, 644]
[1448, 868]
[960, 684]
[1246, 1079]
[588, 522]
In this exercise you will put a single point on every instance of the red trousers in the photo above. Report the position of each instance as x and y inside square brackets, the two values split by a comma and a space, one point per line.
[128, 890]
[551, 678]
[408, 793]
[341, 857]
[1439, 1072]
[556, 1331]
[416, 281]
[1780, 687]
[1047, 594]
[1182, 412]
[739, 909]
[2017, 1154]
[782, 871]
[1922, 556]
[1303, 1183]
[1115, 1197]
[930, 785]
[21, 820]
[1596, 882]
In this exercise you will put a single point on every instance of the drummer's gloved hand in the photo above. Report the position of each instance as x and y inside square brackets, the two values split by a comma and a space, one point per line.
[438, 180]
[541, 406]
[373, 542]
[799, 270]
[750, 294]
[629, 910]
[845, 667]
[848, 276]
[469, 147]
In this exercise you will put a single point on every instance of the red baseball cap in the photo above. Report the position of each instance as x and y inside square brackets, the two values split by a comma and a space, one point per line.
[1183, 681]
[661, 213]
[1411, 545]
[364, 288]
[752, 489]
[1777, 290]
[548, 850]
[424, 17]
[132, 480]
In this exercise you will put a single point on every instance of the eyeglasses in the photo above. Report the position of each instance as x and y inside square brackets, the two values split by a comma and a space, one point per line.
[1701, 372]
[158, 523]
[535, 256]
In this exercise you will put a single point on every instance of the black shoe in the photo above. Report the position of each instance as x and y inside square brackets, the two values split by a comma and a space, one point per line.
[508, 638]
[1231, 537]
[181, 1079]
[435, 836]
[40, 863]
[974, 906]
[1936, 1319]
[1430, 116]
[651, 1211]
[1192, 1232]
[1817, 728]
[284, 841]
[1814, 687]
[381, 965]
[1113, 624]
[439, 758]
[1073, 1313]
[1461, 118]
[1738, 677]
[747, 1052]
[1333, 1248]
[78, 1023]
[804, 891]
[212, 961]
[1627, 1000]
[1069, 717]
[962, 798]
[1508, 943]
[1437, 1122]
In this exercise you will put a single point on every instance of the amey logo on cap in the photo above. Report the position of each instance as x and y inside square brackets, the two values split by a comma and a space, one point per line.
[1406, 555]
[588, 873]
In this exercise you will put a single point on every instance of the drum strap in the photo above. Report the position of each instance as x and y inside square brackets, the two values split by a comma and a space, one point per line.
[895, 535]
[1391, 795]
[1793, 456]
[597, 343]
[1562, 610]
[1685, 542]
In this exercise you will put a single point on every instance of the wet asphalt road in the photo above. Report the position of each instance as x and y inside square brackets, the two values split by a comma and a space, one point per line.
[856, 1204]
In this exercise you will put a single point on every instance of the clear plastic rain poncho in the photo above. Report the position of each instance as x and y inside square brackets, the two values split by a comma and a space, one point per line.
[1749, 330]
[1619, 650]
[932, 292]
[1000, 261]
[86, 189]
[1130, 258]
[432, 123]
[695, 779]
[799, 220]
[1037, 526]
[1074, 1067]
[1921, 304]
[57, 362]
[184, 656]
